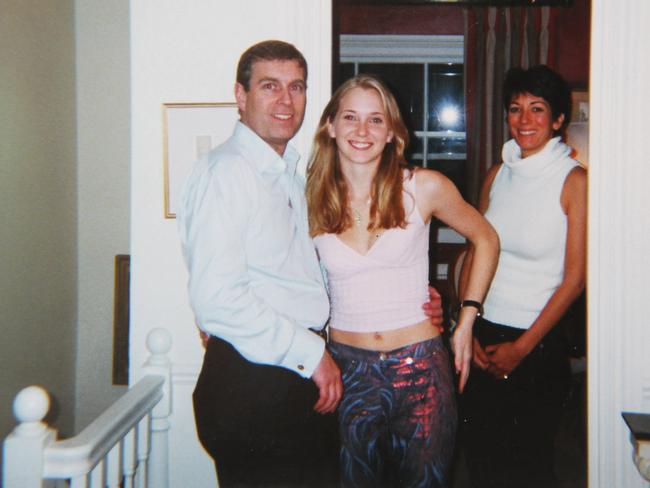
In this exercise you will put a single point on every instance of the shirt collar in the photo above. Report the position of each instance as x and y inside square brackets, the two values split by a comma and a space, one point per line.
[263, 157]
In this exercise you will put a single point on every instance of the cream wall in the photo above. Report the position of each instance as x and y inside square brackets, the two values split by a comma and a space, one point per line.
[103, 172]
[38, 186]
[187, 52]
[619, 237]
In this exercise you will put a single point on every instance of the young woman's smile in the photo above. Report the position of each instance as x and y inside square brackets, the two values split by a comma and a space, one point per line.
[360, 127]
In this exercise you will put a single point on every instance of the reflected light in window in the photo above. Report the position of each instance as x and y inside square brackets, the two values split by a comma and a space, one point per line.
[449, 116]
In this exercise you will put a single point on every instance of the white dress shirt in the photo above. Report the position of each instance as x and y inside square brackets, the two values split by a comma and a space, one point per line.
[255, 280]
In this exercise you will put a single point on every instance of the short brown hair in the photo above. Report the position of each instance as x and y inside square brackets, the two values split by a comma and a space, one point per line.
[270, 50]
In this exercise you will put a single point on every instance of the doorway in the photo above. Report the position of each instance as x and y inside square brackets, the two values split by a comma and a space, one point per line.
[391, 24]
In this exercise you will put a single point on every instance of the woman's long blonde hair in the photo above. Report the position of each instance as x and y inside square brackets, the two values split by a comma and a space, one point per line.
[327, 192]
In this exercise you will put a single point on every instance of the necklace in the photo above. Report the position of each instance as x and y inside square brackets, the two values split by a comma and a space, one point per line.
[357, 217]
[358, 220]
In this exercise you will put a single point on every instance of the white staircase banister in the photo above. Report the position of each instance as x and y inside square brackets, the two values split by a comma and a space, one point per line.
[79, 454]
[127, 443]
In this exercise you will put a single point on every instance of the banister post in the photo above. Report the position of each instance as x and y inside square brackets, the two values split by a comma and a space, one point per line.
[159, 344]
[24, 448]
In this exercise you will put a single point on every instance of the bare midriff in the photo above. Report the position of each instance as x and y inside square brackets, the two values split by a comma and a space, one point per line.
[386, 340]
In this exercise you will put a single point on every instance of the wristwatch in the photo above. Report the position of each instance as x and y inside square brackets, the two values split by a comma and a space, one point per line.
[473, 303]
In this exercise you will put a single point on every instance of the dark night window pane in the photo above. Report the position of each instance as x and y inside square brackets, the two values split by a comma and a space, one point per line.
[415, 146]
[452, 169]
[446, 145]
[446, 109]
[346, 71]
[406, 83]
[414, 151]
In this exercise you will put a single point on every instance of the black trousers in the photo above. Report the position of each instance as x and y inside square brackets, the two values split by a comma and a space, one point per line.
[508, 427]
[258, 424]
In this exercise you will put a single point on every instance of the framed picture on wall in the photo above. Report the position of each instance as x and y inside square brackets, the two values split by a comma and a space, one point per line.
[190, 130]
[580, 106]
[121, 320]
[577, 134]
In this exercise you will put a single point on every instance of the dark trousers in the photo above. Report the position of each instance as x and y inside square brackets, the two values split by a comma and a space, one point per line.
[258, 424]
[508, 427]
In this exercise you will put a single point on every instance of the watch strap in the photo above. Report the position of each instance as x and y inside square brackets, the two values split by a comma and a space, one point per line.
[473, 303]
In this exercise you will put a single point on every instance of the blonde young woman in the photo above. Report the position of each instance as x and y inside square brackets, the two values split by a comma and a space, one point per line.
[369, 214]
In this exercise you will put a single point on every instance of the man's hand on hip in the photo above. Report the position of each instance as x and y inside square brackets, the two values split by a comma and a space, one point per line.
[327, 377]
[433, 308]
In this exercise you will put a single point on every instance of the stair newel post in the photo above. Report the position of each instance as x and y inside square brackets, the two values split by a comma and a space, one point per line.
[159, 344]
[24, 448]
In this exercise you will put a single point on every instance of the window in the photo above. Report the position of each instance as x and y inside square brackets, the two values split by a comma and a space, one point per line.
[426, 75]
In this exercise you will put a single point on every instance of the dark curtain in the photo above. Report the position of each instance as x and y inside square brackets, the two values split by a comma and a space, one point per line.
[496, 39]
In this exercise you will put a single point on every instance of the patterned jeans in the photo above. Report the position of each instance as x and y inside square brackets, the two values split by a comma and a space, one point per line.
[398, 415]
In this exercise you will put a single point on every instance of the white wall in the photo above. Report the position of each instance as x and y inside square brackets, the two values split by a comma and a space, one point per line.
[103, 135]
[38, 269]
[187, 52]
[619, 236]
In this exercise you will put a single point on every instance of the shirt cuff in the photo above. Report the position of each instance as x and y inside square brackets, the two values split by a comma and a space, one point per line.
[305, 353]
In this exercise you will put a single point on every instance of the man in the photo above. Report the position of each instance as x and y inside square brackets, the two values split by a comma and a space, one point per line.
[268, 387]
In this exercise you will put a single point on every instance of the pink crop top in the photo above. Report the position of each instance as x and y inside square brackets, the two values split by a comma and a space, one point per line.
[385, 288]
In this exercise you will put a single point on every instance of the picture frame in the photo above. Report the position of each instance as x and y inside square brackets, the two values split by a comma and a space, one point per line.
[121, 315]
[190, 130]
[579, 106]
[577, 132]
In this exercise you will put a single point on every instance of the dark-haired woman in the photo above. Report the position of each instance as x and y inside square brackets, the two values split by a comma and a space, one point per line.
[536, 201]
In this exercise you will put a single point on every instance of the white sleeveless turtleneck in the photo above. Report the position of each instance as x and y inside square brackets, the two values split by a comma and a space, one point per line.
[525, 209]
